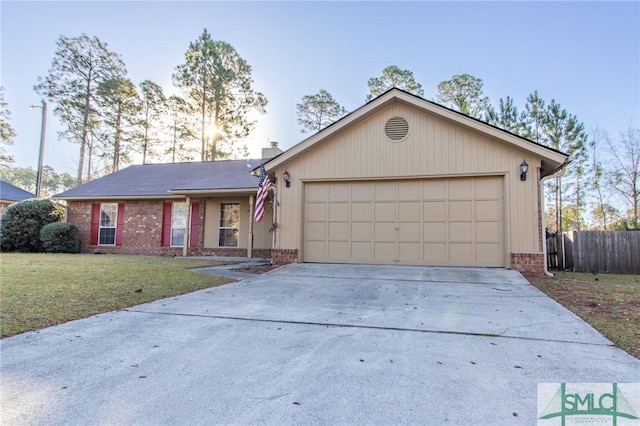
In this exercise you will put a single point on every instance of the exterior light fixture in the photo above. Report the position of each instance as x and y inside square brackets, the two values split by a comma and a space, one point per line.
[285, 177]
[524, 167]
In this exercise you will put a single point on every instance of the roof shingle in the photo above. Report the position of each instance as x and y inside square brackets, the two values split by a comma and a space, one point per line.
[156, 180]
[9, 192]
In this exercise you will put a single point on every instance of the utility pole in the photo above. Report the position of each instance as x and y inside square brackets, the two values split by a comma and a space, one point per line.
[43, 128]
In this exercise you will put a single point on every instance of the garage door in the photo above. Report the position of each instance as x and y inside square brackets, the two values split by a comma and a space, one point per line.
[438, 222]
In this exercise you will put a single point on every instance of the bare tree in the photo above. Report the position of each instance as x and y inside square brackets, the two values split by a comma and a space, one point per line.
[625, 181]
[601, 211]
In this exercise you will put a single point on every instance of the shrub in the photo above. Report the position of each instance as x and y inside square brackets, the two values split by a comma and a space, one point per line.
[22, 222]
[60, 237]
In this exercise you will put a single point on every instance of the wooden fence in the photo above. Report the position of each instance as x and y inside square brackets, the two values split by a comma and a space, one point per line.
[616, 252]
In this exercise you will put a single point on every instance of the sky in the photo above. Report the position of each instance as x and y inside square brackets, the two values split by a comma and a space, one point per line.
[585, 55]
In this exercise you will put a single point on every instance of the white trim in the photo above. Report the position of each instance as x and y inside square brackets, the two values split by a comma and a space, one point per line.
[173, 216]
[114, 227]
[237, 227]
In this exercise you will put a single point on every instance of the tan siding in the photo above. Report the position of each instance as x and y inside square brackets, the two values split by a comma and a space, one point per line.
[261, 235]
[435, 147]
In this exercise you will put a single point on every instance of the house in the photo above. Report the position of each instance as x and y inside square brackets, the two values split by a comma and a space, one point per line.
[401, 180]
[179, 209]
[10, 194]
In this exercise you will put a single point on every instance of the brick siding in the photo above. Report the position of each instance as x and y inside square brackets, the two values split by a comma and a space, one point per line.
[142, 232]
[284, 256]
[531, 264]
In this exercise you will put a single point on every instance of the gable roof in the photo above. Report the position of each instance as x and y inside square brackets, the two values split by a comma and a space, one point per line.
[169, 180]
[552, 159]
[9, 192]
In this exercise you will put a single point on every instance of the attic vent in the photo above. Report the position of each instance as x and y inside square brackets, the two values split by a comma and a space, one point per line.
[396, 129]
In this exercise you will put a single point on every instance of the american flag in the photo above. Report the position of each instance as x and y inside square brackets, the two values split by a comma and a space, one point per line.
[263, 191]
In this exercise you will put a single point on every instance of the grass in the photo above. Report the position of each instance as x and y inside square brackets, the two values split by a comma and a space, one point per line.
[40, 290]
[610, 303]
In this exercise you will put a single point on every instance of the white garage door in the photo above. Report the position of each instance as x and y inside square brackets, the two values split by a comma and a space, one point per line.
[438, 222]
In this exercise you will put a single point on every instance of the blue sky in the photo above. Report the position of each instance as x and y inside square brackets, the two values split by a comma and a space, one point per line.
[585, 55]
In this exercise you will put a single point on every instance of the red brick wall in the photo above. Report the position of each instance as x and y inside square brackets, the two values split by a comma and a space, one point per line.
[531, 264]
[142, 232]
[284, 256]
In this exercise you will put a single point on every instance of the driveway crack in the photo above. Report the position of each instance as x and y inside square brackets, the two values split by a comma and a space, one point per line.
[367, 327]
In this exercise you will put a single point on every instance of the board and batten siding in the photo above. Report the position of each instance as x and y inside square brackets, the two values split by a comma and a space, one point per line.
[435, 147]
[261, 234]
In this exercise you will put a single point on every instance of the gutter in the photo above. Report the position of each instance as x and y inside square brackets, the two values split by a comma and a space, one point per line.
[543, 231]
[119, 197]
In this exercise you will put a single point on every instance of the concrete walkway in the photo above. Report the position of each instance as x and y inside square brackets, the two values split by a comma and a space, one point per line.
[313, 344]
[229, 270]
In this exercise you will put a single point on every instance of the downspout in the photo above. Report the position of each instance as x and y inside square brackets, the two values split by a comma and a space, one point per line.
[250, 242]
[543, 231]
[274, 224]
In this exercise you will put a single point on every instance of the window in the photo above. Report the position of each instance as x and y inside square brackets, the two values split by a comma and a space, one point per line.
[108, 221]
[178, 224]
[229, 222]
[175, 220]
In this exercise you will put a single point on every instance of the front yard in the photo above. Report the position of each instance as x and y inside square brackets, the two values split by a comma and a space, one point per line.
[610, 303]
[40, 290]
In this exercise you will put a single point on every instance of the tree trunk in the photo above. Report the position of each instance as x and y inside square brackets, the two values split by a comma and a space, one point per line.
[116, 146]
[175, 136]
[85, 123]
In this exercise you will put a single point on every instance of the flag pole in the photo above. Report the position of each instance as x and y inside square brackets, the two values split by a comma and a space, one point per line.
[250, 242]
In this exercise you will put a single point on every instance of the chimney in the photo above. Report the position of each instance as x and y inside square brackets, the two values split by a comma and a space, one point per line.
[271, 151]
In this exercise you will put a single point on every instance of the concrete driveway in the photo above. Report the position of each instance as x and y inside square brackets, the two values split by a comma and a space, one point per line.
[313, 344]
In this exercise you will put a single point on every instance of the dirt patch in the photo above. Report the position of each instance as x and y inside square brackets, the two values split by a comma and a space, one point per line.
[610, 303]
[259, 269]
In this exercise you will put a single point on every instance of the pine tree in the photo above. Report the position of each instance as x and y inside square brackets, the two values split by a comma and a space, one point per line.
[78, 66]
[315, 112]
[392, 76]
[463, 93]
[218, 83]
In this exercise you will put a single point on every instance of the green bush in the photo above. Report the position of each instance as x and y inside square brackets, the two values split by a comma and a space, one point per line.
[22, 222]
[60, 237]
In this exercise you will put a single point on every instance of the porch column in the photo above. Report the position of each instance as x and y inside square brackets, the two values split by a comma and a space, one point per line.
[187, 231]
[250, 242]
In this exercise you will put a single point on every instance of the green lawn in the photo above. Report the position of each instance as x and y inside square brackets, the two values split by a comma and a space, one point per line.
[40, 290]
[609, 302]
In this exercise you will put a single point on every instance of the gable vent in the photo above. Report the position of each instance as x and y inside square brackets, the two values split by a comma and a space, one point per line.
[396, 129]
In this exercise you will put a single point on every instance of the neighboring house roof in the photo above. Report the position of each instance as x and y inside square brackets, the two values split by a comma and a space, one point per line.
[11, 193]
[166, 180]
[552, 159]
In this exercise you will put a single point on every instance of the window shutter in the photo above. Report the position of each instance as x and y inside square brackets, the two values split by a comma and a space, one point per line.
[195, 225]
[95, 223]
[166, 224]
[120, 224]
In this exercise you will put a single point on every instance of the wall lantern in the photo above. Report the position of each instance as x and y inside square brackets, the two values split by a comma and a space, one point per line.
[285, 176]
[524, 167]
